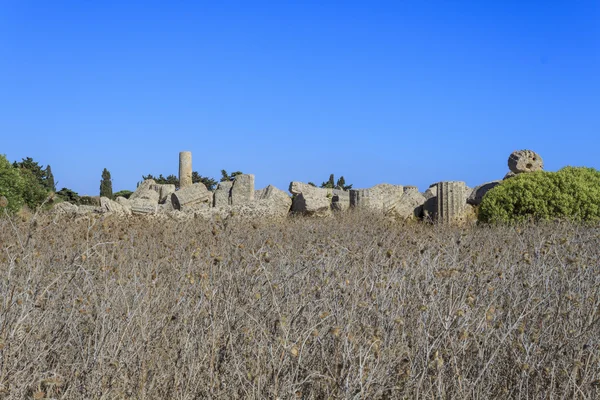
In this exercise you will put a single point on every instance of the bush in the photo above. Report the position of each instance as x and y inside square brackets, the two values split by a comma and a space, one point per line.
[68, 195]
[570, 193]
[11, 185]
[33, 192]
[123, 193]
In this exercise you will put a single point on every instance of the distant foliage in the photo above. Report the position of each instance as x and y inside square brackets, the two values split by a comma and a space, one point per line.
[34, 193]
[331, 184]
[49, 180]
[123, 193]
[11, 185]
[106, 185]
[570, 193]
[161, 180]
[225, 177]
[25, 183]
[69, 196]
[210, 183]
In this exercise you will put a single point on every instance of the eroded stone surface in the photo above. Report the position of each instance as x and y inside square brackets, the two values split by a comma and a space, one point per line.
[111, 206]
[185, 169]
[477, 194]
[194, 196]
[242, 190]
[380, 197]
[311, 200]
[451, 202]
[222, 196]
[521, 161]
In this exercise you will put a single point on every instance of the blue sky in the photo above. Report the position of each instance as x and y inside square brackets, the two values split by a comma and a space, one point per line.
[403, 92]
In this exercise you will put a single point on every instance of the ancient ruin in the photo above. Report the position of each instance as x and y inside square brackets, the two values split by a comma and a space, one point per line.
[185, 169]
[443, 202]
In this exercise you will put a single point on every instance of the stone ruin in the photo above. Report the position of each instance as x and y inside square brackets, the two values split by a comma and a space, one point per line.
[443, 202]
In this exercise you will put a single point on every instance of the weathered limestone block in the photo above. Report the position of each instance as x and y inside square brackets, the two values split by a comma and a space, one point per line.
[430, 205]
[480, 191]
[146, 191]
[509, 174]
[185, 169]
[222, 196]
[111, 206]
[141, 206]
[451, 202]
[380, 197]
[164, 191]
[123, 201]
[340, 200]
[242, 190]
[65, 208]
[193, 196]
[270, 202]
[408, 206]
[311, 200]
[86, 209]
[525, 161]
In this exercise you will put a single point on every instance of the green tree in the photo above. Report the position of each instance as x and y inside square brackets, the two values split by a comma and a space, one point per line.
[35, 189]
[570, 193]
[226, 177]
[123, 193]
[208, 182]
[49, 179]
[34, 193]
[36, 170]
[106, 185]
[330, 184]
[69, 196]
[11, 185]
[341, 184]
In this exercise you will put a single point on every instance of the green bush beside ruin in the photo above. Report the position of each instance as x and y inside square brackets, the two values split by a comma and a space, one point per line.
[572, 193]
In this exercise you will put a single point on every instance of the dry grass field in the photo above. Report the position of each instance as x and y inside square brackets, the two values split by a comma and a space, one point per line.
[353, 307]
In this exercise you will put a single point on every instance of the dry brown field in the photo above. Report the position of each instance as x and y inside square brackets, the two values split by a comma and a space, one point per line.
[352, 307]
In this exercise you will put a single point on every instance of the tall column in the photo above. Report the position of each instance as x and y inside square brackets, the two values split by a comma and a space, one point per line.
[450, 201]
[185, 169]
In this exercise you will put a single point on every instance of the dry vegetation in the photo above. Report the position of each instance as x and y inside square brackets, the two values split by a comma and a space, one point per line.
[350, 307]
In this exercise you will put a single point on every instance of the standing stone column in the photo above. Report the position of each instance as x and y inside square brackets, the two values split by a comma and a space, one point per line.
[450, 201]
[185, 169]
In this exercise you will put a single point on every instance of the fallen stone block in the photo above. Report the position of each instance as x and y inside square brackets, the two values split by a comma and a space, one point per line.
[194, 196]
[111, 206]
[310, 200]
[380, 197]
[477, 194]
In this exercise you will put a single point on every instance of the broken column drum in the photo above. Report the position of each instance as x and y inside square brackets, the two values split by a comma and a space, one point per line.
[185, 169]
[450, 200]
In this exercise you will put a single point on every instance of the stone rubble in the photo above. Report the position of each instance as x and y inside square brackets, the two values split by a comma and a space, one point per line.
[443, 202]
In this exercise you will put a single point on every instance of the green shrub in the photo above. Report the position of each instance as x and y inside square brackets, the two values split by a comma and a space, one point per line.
[123, 193]
[69, 196]
[33, 193]
[11, 185]
[571, 193]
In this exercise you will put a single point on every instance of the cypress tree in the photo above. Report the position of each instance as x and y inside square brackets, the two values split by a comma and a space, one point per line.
[106, 185]
[49, 180]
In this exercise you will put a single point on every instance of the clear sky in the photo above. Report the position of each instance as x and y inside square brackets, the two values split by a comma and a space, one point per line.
[402, 92]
